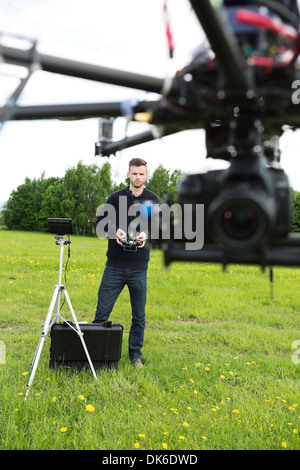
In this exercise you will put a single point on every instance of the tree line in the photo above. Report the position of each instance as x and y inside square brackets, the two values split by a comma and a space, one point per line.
[77, 195]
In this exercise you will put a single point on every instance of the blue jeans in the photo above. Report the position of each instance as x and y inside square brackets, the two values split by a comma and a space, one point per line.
[113, 282]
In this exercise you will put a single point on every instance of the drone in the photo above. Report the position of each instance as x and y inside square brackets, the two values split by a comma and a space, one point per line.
[240, 87]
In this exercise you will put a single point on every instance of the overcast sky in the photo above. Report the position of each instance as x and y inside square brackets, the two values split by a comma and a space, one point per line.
[124, 34]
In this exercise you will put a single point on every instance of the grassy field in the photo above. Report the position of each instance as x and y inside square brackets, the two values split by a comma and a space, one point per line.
[219, 372]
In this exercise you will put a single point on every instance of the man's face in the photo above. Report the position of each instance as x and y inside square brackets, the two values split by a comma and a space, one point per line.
[137, 176]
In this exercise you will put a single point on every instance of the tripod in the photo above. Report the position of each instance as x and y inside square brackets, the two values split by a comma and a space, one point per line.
[48, 322]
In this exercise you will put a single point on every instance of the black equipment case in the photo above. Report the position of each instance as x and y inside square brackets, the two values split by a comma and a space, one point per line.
[103, 342]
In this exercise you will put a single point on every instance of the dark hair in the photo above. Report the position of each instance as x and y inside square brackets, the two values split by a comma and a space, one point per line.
[137, 162]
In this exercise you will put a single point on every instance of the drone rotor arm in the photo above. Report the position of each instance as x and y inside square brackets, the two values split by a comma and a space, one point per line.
[222, 43]
[87, 71]
[105, 149]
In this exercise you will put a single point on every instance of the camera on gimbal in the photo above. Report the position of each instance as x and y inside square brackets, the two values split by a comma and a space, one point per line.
[245, 206]
[247, 211]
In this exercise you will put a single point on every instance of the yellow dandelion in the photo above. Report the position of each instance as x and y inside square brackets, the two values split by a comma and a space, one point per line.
[165, 446]
[222, 376]
[204, 437]
[185, 424]
[89, 408]
[81, 397]
[181, 437]
[207, 368]
[63, 429]
[53, 399]
[284, 444]
[235, 411]
[25, 373]
[142, 435]
[195, 392]
[137, 445]
[295, 431]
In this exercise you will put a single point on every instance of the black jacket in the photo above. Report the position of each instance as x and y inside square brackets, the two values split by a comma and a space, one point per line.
[121, 201]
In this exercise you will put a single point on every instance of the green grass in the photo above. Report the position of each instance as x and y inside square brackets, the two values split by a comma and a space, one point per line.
[218, 356]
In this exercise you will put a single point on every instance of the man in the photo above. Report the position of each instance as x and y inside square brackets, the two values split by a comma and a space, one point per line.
[123, 266]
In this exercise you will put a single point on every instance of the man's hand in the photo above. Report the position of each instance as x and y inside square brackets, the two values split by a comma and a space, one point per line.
[120, 234]
[142, 238]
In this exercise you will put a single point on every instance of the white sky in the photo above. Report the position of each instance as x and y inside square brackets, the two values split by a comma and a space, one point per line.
[124, 34]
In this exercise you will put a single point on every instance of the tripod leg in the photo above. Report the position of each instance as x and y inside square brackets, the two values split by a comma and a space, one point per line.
[45, 331]
[80, 334]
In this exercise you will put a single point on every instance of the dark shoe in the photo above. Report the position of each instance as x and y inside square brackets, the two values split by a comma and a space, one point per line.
[136, 362]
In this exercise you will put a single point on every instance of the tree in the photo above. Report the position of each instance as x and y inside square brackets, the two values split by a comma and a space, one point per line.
[19, 213]
[24, 204]
[296, 213]
[173, 185]
[51, 205]
[164, 184]
[86, 188]
[77, 195]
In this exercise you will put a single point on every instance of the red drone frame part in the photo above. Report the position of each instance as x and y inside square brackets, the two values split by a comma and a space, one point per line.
[289, 34]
